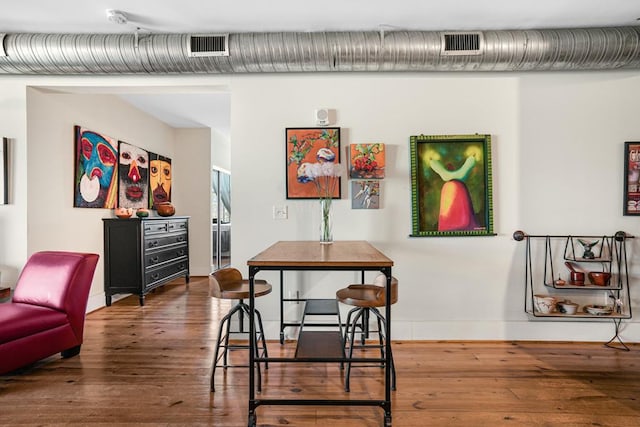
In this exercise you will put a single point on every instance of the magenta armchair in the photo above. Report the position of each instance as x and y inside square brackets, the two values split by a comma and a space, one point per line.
[46, 314]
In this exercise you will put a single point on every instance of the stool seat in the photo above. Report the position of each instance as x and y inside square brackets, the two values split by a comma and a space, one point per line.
[227, 283]
[367, 295]
[239, 289]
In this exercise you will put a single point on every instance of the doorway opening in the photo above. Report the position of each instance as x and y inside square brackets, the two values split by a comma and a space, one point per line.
[221, 218]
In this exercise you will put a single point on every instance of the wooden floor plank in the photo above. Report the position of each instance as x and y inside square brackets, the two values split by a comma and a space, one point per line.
[151, 365]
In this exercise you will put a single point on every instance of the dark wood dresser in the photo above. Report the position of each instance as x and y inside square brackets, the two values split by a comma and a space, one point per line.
[142, 254]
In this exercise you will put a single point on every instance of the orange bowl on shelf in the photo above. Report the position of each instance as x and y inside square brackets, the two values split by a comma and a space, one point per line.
[165, 209]
[599, 278]
[124, 213]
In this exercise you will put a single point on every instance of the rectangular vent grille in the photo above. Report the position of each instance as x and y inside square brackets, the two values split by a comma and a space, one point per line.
[462, 44]
[209, 45]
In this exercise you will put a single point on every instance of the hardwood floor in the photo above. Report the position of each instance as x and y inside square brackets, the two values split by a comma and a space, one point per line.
[151, 365]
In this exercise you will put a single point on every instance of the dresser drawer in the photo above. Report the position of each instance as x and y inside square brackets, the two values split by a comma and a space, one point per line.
[155, 227]
[157, 275]
[179, 225]
[158, 257]
[155, 242]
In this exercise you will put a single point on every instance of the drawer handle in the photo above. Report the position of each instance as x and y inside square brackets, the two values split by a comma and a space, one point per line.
[181, 252]
[155, 276]
[154, 260]
[181, 239]
[153, 244]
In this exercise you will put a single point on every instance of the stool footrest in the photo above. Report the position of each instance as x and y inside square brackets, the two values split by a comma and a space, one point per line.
[319, 344]
[321, 307]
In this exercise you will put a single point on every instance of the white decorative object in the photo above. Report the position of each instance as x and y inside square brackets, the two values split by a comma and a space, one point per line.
[544, 303]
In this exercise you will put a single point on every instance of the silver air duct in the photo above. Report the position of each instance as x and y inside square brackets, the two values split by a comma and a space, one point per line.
[514, 50]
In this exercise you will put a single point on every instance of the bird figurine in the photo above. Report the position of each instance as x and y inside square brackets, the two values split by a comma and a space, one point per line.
[588, 253]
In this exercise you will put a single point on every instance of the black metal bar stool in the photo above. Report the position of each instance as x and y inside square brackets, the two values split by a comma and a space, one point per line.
[227, 283]
[366, 299]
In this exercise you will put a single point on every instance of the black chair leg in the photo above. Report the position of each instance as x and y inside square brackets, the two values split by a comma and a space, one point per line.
[262, 339]
[236, 309]
[223, 341]
[224, 323]
[359, 315]
[70, 352]
[380, 340]
[350, 334]
[382, 327]
[258, 332]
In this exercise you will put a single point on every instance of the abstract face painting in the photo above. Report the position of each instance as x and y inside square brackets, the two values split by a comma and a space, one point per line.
[133, 176]
[451, 185]
[159, 179]
[95, 183]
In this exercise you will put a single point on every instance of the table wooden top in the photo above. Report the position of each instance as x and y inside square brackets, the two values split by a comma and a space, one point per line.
[315, 254]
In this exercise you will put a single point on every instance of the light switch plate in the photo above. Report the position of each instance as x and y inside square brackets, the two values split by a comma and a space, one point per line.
[280, 212]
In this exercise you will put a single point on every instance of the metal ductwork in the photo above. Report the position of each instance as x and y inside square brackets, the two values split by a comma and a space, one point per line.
[398, 51]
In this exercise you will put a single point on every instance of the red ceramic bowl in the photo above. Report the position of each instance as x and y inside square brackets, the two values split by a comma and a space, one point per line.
[599, 278]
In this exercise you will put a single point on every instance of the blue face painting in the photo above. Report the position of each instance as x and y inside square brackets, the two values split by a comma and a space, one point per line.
[96, 166]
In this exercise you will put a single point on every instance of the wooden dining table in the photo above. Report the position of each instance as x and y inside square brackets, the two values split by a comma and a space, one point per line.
[313, 255]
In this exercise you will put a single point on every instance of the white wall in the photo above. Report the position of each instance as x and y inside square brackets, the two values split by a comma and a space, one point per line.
[192, 194]
[220, 150]
[13, 216]
[557, 168]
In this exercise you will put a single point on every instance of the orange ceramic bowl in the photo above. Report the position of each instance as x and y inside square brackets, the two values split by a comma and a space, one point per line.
[165, 209]
[599, 278]
[124, 213]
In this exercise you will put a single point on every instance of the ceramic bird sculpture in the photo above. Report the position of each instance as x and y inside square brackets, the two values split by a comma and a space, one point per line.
[588, 254]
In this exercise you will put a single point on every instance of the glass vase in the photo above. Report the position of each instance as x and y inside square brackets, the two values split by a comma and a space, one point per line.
[326, 234]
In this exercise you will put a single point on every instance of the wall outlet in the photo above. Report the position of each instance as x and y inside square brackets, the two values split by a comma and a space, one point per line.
[280, 212]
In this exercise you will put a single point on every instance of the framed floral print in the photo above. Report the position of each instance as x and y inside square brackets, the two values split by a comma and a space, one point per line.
[451, 185]
[367, 161]
[312, 153]
[365, 194]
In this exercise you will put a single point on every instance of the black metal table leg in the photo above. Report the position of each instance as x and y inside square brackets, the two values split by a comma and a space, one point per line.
[252, 347]
[252, 419]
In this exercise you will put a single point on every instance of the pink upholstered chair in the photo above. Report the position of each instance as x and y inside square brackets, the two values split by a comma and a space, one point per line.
[46, 314]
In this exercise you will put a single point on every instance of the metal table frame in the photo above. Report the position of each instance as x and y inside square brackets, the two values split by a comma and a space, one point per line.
[355, 262]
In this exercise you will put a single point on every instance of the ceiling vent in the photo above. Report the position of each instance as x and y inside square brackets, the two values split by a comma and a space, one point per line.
[462, 43]
[209, 45]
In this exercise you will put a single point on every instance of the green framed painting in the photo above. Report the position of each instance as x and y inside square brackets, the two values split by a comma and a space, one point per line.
[451, 185]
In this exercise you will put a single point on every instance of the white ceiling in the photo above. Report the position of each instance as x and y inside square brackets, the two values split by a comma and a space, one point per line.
[185, 16]
[214, 16]
[186, 110]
